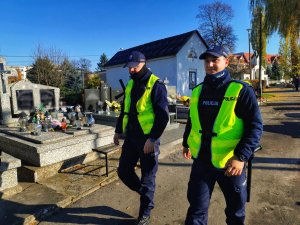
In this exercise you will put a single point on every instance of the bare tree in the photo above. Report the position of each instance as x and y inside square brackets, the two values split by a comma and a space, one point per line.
[83, 64]
[49, 67]
[214, 25]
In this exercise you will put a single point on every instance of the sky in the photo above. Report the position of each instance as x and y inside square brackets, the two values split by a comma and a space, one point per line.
[88, 28]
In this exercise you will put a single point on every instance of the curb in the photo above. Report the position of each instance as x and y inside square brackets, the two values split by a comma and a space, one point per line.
[48, 211]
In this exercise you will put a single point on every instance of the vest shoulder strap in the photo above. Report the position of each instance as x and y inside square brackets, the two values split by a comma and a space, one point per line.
[197, 86]
[245, 84]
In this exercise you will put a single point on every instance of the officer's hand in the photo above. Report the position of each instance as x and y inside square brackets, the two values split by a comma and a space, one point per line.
[116, 139]
[186, 153]
[234, 167]
[148, 147]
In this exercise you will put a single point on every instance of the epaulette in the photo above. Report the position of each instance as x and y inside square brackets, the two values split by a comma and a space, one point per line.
[160, 81]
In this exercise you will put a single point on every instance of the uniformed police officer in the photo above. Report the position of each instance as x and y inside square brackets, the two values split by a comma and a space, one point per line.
[223, 129]
[143, 118]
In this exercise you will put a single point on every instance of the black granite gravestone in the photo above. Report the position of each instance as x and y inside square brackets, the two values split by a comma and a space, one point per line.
[24, 99]
[47, 97]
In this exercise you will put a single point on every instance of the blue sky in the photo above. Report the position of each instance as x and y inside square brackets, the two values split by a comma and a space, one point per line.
[88, 28]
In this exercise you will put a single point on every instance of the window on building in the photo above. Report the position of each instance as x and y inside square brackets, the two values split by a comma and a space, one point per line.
[192, 79]
[1, 66]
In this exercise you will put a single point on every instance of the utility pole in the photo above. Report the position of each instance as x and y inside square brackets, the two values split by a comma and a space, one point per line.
[260, 55]
[250, 71]
[82, 75]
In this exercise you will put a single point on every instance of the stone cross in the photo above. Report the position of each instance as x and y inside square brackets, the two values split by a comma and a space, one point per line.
[5, 107]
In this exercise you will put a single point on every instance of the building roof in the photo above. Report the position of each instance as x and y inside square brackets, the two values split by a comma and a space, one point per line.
[244, 55]
[156, 49]
[269, 57]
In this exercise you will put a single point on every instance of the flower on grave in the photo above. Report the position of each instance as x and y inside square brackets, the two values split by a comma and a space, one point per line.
[39, 114]
[41, 117]
[185, 100]
[114, 105]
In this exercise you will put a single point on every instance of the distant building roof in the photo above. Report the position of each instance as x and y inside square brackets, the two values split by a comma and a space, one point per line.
[269, 57]
[244, 55]
[155, 49]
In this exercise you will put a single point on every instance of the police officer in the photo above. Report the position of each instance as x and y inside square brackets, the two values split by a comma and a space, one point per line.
[223, 129]
[144, 116]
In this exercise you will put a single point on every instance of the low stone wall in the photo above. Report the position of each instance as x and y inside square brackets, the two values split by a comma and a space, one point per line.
[8, 171]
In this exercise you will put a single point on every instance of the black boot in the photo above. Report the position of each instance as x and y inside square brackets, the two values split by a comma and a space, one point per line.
[144, 220]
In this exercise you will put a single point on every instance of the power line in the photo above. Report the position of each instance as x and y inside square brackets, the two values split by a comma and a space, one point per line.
[19, 61]
[26, 56]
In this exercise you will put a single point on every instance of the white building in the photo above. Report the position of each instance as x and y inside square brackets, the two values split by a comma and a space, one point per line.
[13, 71]
[175, 59]
[255, 71]
[23, 70]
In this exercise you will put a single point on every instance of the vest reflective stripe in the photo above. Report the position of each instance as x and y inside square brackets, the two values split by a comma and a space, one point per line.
[194, 138]
[228, 127]
[143, 106]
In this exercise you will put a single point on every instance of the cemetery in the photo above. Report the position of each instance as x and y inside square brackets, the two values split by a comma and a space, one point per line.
[39, 137]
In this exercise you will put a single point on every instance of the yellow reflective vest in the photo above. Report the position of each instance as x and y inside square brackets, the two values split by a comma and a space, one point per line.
[143, 106]
[227, 130]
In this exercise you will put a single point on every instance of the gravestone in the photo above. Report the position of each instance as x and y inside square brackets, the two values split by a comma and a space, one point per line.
[24, 99]
[91, 97]
[48, 97]
[25, 96]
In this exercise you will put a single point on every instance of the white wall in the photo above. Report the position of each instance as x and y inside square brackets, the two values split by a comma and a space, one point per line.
[113, 74]
[161, 67]
[185, 64]
[164, 67]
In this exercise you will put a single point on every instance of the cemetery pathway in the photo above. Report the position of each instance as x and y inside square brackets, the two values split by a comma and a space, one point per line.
[275, 194]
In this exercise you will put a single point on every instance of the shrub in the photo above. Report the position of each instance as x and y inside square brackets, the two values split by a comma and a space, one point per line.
[255, 84]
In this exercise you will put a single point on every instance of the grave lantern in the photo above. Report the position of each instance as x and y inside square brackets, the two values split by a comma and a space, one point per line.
[23, 120]
[47, 123]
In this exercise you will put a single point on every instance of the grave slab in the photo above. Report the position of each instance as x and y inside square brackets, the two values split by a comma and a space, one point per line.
[53, 147]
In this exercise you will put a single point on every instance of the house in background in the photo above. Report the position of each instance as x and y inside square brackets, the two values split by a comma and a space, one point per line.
[241, 61]
[14, 73]
[174, 59]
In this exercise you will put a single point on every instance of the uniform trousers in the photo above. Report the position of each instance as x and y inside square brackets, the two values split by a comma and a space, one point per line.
[201, 184]
[132, 151]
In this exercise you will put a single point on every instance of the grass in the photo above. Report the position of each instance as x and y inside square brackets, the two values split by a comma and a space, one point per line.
[268, 96]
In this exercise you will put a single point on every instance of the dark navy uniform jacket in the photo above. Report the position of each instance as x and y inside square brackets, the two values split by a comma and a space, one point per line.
[211, 97]
[159, 103]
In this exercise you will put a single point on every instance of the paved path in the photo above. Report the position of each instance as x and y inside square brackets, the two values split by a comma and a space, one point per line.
[275, 196]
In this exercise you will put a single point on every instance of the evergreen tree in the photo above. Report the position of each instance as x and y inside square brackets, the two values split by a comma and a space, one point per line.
[269, 71]
[103, 61]
[276, 74]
